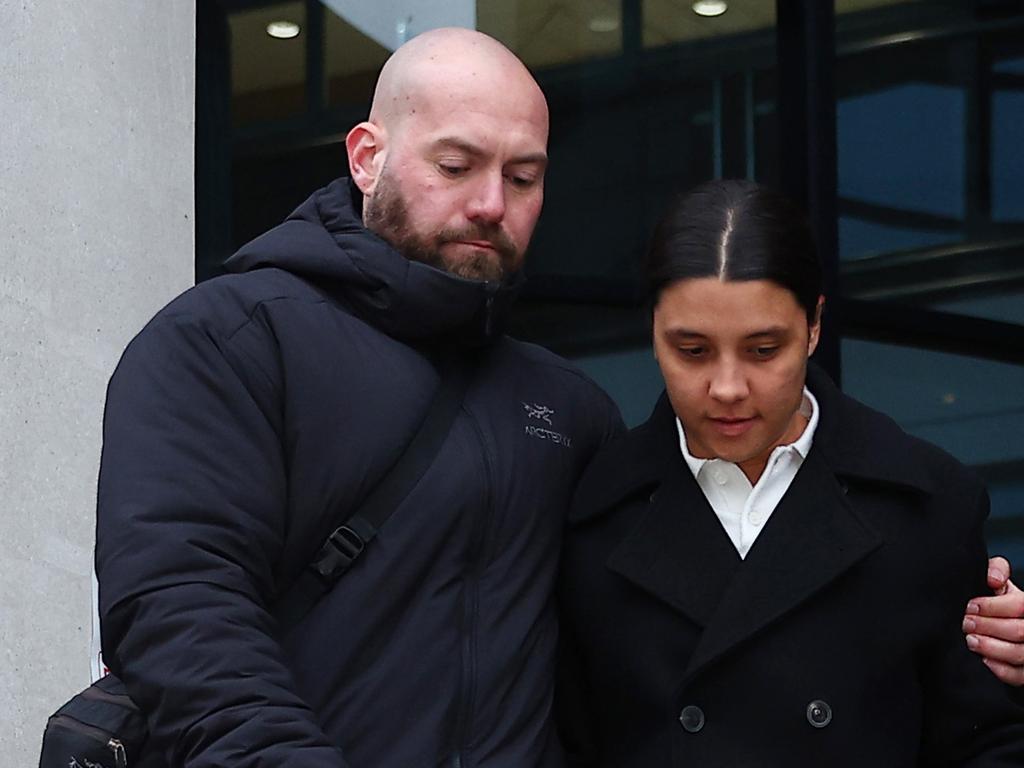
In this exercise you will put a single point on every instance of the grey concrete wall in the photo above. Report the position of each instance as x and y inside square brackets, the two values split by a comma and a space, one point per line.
[96, 233]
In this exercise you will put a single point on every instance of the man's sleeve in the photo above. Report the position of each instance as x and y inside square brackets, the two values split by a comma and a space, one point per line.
[191, 522]
[971, 718]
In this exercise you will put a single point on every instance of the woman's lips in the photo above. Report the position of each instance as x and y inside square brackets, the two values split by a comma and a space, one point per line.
[732, 426]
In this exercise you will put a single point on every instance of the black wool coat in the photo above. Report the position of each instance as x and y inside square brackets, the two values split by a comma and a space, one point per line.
[837, 641]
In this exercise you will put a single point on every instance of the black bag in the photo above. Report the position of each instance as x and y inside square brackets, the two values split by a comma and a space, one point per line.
[101, 727]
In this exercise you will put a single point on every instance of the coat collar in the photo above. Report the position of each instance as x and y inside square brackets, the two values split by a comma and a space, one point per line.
[678, 551]
[860, 443]
[854, 441]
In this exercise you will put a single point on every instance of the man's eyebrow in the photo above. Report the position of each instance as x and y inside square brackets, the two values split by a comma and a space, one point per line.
[472, 150]
[451, 142]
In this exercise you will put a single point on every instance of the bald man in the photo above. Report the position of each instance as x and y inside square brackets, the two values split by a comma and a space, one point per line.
[253, 414]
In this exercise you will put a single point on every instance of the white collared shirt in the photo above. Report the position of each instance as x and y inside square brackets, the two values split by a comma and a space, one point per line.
[743, 509]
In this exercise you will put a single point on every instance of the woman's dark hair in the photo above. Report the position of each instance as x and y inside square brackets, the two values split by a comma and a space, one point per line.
[735, 230]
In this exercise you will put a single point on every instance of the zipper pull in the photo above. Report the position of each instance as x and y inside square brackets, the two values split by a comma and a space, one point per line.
[120, 756]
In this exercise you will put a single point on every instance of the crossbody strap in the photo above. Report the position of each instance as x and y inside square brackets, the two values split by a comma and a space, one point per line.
[347, 542]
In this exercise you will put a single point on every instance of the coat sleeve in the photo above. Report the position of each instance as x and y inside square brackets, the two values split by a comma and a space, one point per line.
[191, 521]
[970, 716]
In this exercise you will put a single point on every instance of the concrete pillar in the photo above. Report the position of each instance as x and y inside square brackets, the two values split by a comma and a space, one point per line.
[96, 233]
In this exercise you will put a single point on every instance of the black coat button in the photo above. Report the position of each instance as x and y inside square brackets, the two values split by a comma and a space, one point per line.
[691, 718]
[819, 713]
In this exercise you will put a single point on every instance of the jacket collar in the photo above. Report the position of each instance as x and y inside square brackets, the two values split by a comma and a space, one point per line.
[324, 240]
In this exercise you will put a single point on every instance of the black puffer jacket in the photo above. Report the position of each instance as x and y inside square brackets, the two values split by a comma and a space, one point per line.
[241, 423]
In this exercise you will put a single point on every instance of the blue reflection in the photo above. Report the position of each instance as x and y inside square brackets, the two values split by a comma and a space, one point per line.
[904, 147]
[1008, 155]
[860, 239]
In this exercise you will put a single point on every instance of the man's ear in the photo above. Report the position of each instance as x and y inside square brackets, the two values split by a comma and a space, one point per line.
[365, 146]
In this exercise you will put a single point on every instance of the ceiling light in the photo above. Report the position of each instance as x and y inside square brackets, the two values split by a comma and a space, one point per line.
[710, 7]
[949, 398]
[603, 24]
[283, 30]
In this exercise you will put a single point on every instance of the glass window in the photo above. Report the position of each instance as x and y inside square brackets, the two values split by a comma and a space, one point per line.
[1007, 155]
[268, 74]
[973, 410]
[352, 60]
[668, 22]
[546, 35]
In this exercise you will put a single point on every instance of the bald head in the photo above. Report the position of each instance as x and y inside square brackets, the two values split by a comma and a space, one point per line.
[438, 68]
[451, 162]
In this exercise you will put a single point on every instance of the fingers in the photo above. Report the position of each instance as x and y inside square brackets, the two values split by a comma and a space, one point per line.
[1009, 605]
[1011, 630]
[1008, 673]
[998, 573]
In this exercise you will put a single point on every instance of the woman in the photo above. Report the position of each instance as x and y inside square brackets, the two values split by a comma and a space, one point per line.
[768, 573]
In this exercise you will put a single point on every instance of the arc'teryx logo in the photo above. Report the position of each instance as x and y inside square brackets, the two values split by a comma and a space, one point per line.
[543, 413]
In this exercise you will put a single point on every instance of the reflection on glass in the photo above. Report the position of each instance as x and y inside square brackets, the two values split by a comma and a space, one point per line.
[545, 34]
[268, 74]
[860, 239]
[902, 146]
[1008, 155]
[973, 410]
[352, 61]
[666, 22]
[1007, 306]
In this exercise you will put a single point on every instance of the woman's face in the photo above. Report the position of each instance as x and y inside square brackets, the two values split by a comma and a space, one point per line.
[734, 358]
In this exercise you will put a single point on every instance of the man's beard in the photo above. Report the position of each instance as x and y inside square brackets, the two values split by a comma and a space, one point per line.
[386, 213]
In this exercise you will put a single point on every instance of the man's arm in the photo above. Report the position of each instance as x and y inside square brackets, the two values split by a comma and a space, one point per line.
[192, 514]
[970, 718]
[994, 625]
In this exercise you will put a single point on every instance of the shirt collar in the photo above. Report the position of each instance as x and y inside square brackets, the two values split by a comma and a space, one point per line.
[802, 445]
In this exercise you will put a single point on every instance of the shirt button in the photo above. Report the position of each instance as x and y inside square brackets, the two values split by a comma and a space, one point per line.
[691, 718]
[719, 477]
[819, 713]
[756, 516]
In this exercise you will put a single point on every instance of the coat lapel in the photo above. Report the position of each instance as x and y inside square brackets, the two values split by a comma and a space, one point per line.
[811, 539]
[678, 551]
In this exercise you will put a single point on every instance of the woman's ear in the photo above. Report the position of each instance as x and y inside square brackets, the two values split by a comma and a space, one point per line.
[814, 331]
[365, 145]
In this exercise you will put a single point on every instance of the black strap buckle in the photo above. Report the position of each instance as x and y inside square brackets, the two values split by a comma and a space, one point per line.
[338, 553]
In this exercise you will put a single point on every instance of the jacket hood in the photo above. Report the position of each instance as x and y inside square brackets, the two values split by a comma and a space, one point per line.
[324, 241]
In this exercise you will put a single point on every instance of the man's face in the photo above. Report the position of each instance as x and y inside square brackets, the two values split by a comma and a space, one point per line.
[734, 359]
[462, 183]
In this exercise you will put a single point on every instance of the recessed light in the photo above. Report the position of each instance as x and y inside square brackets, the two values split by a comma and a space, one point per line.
[949, 398]
[710, 7]
[283, 30]
[603, 24]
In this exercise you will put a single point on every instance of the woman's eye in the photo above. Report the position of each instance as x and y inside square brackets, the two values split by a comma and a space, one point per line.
[520, 181]
[764, 352]
[692, 351]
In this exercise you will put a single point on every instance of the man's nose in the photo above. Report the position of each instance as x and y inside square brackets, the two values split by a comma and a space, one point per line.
[487, 200]
[728, 382]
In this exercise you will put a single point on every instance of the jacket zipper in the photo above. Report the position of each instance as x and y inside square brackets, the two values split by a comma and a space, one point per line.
[470, 606]
[97, 734]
